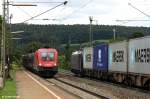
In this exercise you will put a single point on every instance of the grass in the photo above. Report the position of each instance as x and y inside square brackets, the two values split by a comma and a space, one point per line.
[62, 70]
[9, 90]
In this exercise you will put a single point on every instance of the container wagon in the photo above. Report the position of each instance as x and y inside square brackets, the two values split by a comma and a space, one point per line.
[77, 63]
[139, 62]
[118, 61]
[125, 62]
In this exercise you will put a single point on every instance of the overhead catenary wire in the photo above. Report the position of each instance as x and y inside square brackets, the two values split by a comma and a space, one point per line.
[132, 20]
[44, 19]
[38, 2]
[139, 10]
[24, 11]
[62, 3]
[76, 10]
[60, 12]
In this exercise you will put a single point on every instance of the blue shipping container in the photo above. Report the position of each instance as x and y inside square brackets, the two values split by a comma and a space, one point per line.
[100, 61]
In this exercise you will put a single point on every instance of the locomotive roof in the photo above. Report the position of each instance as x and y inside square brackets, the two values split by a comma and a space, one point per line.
[46, 49]
[76, 52]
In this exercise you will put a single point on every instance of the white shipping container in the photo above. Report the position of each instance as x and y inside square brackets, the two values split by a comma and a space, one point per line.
[118, 57]
[139, 55]
[88, 58]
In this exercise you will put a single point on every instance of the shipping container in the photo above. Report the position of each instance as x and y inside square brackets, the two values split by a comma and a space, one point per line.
[100, 60]
[139, 55]
[88, 58]
[118, 56]
[76, 62]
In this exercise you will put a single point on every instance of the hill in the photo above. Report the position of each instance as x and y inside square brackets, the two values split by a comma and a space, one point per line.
[55, 35]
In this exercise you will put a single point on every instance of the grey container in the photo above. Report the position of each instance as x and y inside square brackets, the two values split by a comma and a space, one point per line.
[88, 58]
[139, 55]
[76, 62]
[118, 57]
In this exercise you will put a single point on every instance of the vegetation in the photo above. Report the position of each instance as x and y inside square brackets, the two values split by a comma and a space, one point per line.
[67, 56]
[0, 31]
[67, 38]
[61, 62]
[9, 90]
[33, 46]
[54, 35]
[137, 34]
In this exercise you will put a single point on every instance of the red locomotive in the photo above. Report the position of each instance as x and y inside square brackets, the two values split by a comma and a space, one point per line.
[43, 61]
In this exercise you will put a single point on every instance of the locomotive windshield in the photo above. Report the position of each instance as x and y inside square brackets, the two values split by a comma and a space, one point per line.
[47, 56]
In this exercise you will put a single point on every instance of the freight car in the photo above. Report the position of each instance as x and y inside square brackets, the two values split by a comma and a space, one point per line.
[43, 61]
[77, 63]
[125, 62]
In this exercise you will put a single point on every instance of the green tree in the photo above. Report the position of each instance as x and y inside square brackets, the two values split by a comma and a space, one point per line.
[32, 47]
[67, 56]
[0, 31]
[137, 34]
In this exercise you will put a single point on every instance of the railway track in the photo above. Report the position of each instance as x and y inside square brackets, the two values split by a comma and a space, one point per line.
[86, 89]
[117, 89]
[78, 88]
[68, 87]
[68, 73]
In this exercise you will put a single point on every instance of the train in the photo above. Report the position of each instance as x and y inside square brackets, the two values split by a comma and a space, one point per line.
[44, 61]
[125, 62]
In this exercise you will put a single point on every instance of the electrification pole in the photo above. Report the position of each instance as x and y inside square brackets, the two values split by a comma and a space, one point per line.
[90, 34]
[5, 21]
[3, 40]
[114, 32]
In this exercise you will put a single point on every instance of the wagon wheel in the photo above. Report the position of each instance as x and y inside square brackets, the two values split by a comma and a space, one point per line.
[128, 81]
[111, 78]
[147, 85]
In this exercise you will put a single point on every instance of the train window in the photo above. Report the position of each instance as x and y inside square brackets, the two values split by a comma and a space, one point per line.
[47, 56]
[44, 56]
[51, 56]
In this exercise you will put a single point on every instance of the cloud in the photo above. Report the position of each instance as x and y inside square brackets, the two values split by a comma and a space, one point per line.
[78, 11]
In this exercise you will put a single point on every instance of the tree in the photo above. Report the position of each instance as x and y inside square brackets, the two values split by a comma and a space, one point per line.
[0, 29]
[32, 47]
[137, 34]
[67, 55]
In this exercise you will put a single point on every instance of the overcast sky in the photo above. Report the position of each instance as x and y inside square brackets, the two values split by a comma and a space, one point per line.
[78, 12]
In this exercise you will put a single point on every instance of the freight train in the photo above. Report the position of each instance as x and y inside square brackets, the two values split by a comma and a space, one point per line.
[126, 62]
[43, 61]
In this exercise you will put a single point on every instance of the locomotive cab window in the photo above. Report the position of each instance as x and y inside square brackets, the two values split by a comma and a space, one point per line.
[51, 56]
[44, 56]
[47, 56]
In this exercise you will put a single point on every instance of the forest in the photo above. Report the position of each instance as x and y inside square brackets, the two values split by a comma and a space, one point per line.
[55, 35]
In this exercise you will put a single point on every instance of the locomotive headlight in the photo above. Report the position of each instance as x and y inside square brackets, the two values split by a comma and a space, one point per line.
[40, 64]
[55, 64]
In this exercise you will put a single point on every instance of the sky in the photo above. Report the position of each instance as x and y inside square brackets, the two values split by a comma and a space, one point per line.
[104, 12]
